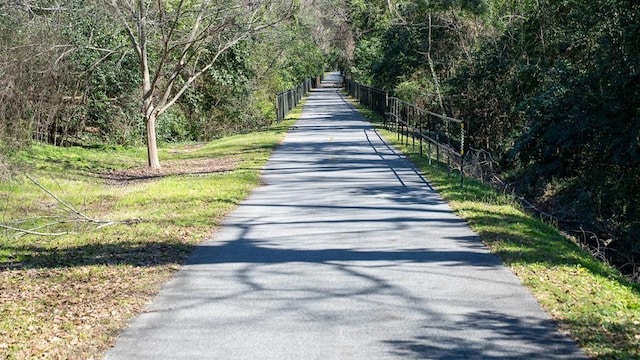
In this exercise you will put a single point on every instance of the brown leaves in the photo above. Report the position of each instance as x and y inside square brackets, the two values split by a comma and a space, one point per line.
[66, 313]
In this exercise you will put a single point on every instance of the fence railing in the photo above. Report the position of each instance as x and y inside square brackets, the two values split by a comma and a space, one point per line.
[287, 100]
[374, 99]
[439, 137]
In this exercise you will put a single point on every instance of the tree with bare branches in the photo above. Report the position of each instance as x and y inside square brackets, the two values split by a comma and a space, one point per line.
[177, 41]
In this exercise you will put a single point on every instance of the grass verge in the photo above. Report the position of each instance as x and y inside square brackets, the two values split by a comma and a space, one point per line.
[588, 299]
[67, 297]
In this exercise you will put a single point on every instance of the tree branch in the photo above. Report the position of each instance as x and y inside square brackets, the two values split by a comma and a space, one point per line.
[77, 217]
[60, 201]
[31, 232]
[128, 29]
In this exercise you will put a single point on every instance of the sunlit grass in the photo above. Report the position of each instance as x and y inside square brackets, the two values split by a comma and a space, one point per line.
[79, 160]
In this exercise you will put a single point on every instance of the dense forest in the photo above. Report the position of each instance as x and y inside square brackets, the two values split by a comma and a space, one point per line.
[550, 88]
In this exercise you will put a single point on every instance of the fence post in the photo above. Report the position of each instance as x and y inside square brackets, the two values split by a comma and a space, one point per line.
[413, 129]
[438, 148]
[396, 115]
[420, 131]
[405, 114]
[461, 152]
[278, 108]
[448, 133]
[398, 129]
[386, 109]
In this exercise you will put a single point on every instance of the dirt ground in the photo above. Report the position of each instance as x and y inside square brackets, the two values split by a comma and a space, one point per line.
[171, 168]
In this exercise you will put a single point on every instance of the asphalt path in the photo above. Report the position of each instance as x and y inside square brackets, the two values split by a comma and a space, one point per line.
[344, 252]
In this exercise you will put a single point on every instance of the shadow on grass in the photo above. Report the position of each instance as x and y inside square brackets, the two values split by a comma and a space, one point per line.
[617, 333]
[523, 239]
[125, 253]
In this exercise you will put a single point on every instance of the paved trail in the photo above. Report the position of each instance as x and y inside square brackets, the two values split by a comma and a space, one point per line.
[345, 252]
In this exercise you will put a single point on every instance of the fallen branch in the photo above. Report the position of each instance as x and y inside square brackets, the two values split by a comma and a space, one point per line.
[68, 206]
[19, 226]
[31, 232]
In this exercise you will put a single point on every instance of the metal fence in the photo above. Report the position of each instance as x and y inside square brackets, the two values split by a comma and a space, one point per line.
[289, 99]
[374, 99]
[439, 137]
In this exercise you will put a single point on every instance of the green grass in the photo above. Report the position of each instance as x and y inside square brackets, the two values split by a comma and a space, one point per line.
[68, 296]
[79, 160]
[588, 299]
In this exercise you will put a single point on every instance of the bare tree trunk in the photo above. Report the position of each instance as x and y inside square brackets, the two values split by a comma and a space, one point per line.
[432, 67]
[152, 146]
[149, 109]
